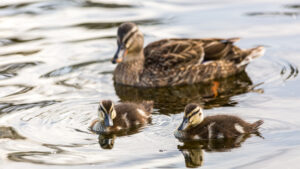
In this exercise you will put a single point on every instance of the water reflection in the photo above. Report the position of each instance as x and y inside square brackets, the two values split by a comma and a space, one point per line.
[69, 69]
[173, 99]
[11, 107]
[193, 151]
[10, 90]
[107, 141]
[106, 25]
[56, 42]
[273, 13]
[23, 52]
[105, 5]
[293, 6]
[10, 70]
[9, 132]
[54, 155]
[278, 13]
[17, 40]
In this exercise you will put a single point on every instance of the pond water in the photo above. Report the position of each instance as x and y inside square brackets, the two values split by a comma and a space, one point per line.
[55, 67]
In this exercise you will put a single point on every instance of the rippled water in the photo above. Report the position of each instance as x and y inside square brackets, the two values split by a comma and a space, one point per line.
[55, 67]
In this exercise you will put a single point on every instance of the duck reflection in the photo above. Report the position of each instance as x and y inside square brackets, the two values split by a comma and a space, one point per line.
[193, 150]
[173, 99]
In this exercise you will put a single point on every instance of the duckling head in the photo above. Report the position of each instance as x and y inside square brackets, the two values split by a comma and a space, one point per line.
[193, 115]
[130, 43]
[106, 112]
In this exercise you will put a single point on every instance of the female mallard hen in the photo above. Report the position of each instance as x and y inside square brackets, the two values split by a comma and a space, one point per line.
[171, 62]
[114, 118]
[195, 127]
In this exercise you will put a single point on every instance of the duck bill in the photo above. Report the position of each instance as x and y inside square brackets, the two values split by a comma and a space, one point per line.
[108, 121]
[184, 124]
[120, 54]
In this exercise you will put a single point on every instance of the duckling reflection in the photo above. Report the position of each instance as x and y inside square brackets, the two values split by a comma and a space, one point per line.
[193, 152]
[173, 99]
[193, 155]
[107, 141]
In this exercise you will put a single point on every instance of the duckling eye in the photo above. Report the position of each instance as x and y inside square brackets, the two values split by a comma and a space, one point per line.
[191, 119]
[101, 113]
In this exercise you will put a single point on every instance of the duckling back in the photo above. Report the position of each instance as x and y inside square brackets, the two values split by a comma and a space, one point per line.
[221, 126]
[132, 114]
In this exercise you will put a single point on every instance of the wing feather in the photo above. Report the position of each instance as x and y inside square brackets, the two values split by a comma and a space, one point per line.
[172, 53]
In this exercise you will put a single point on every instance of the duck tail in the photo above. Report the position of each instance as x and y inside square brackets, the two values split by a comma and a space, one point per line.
[148, 105]
[253, 53]
[256, 125]
[233, 40]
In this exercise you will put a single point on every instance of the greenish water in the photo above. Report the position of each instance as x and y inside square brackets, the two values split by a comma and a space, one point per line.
[55, 67]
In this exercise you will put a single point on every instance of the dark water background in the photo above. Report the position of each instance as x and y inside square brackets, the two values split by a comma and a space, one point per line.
[55, 67]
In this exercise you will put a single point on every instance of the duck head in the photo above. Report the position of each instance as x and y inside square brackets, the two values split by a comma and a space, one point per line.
[193, 115]
[130, 43]
[106, 112]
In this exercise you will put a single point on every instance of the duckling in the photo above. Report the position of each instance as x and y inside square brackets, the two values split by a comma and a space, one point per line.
[195, 127]
[114, 118]
[171, 62]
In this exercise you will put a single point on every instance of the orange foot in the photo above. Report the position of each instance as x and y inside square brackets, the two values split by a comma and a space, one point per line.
[215, 87]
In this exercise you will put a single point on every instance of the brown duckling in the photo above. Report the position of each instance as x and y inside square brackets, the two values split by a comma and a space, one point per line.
[195, 127]
[170, 62]
[115, 118]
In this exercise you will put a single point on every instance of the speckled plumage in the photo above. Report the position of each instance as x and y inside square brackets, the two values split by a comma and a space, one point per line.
[171, 62]
[222, 124]
[214, 127]
[128, 115]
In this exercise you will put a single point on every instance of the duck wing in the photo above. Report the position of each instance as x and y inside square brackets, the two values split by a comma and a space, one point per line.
[167, 54]
[171, 62]
[217, 49]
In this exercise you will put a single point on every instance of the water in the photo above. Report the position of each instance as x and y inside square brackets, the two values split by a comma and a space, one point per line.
[55, 67]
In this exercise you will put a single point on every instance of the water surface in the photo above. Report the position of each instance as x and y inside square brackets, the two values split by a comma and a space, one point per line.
[55, 67]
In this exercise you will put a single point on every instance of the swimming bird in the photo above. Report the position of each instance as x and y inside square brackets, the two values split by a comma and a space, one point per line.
[171, 62]
[195, 127]
[115, 118]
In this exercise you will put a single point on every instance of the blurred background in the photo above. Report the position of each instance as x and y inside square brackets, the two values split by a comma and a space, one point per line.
[55, 67]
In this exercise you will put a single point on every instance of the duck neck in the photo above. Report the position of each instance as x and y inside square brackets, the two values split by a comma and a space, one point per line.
[128, 72]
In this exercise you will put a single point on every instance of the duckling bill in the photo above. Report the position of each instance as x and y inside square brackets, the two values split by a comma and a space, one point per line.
[195, 127]
[115, 118]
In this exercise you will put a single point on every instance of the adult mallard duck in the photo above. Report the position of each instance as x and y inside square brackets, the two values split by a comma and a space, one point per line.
[195, 127]
[116, 118]
[171, 62]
